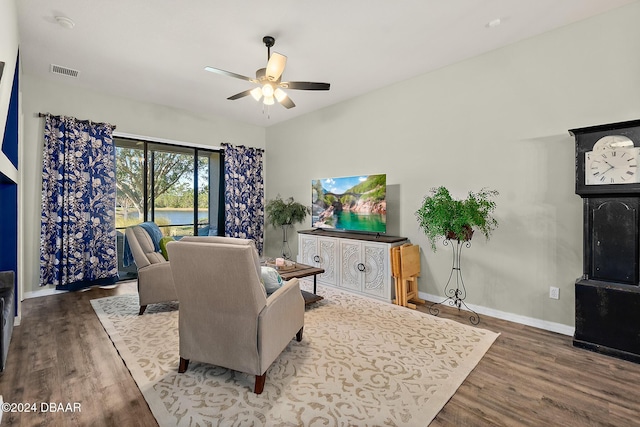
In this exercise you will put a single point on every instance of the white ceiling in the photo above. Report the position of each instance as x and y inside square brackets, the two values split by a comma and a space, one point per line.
[156, 50]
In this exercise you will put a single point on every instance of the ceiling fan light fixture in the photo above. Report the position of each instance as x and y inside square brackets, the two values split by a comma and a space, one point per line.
[256, 93]
[268, 100]
[267, 90]
[280, 94]
[269, 80]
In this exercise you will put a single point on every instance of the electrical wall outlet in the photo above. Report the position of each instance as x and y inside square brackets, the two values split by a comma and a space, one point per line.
[554, 292]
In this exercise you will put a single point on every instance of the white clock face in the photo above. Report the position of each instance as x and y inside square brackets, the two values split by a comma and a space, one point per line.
[612, 166]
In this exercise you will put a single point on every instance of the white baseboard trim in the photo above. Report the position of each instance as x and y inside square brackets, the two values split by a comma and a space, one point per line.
[524, 320]
[42, 293]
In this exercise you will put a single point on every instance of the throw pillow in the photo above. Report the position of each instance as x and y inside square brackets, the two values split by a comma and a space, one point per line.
[271, 279]
[163, 246]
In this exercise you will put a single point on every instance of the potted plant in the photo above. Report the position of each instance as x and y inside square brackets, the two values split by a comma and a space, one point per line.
[283, 213]
[443, 216]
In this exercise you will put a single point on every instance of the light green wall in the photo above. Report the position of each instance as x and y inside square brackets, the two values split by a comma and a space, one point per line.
[498, 120]
[130, 117]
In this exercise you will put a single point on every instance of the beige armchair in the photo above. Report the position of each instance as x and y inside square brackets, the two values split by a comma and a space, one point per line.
[155, 281]
[225, 316]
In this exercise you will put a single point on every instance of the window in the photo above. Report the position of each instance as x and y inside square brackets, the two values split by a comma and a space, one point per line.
[174, 186]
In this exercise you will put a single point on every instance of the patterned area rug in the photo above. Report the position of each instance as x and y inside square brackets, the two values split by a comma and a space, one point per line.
[360, 362]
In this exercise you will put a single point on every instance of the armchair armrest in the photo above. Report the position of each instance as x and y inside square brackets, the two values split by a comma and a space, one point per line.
[157, 281]
[155, 272]
[279, 321]
[284, 292]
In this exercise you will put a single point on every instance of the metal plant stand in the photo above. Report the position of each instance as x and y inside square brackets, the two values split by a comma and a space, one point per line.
[456, 295]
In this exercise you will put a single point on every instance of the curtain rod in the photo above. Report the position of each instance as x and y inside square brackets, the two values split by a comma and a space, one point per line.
[81, 121]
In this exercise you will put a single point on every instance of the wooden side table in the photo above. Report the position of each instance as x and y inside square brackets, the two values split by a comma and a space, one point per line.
[300, 271]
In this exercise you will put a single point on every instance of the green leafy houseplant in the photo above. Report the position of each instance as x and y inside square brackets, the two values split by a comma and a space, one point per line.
[443, 216]
[285, 212]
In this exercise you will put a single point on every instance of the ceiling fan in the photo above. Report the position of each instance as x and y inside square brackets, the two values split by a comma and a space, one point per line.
[269, 80]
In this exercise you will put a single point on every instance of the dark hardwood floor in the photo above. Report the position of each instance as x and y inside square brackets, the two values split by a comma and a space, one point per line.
[533, 377]
[530, 377]
[61, 354]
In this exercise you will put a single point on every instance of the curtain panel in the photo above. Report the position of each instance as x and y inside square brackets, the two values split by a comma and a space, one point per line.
[244, 193]
[78, 235]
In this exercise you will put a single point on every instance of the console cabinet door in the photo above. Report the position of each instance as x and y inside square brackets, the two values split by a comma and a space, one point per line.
[319, 252]
[328, 250]
[376, 273]
[308, 250]
[364, 268]
[351, 268]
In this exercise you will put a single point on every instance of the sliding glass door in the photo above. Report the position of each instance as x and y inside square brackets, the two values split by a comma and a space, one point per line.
[174, 186]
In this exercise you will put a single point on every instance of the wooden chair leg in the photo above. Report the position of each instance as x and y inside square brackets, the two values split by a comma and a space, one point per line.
[184, 364]
[299, 335]
[142, 309]
[403, 292]
[414, 289]
[398, 288]
[260, 380]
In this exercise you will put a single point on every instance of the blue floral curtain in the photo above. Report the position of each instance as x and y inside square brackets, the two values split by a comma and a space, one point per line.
[78, 236]
[244, 193]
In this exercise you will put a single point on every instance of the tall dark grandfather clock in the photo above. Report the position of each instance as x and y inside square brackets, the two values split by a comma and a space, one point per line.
[608, 293]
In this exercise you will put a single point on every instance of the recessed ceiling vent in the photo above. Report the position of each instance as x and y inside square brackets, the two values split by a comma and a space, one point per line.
[57, 69]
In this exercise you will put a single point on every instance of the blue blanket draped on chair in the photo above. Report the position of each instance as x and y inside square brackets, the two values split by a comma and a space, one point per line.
[154, 232]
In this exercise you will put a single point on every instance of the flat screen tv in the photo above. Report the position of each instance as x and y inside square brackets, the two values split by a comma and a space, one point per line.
[350, 203]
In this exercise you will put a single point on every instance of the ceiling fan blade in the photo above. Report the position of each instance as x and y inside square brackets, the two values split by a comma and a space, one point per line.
[240, 95]
[305, 85]
[275, 66]
[230, 74]
[287, 103]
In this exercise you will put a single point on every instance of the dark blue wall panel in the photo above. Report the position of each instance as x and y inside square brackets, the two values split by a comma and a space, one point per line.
[10, 141]
[9, 190]
[9, 226]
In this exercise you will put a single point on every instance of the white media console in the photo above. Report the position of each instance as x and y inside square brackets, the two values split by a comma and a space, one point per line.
[353, 262]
